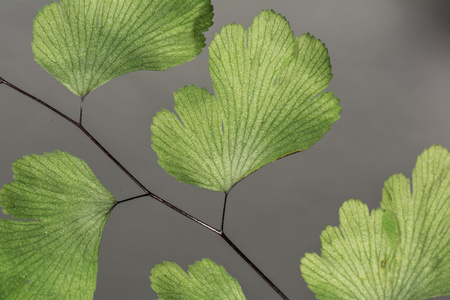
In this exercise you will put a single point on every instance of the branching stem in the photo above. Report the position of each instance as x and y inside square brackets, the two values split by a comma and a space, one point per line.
[147, 191]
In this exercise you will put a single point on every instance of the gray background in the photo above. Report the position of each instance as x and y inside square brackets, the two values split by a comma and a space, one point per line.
[391, 66]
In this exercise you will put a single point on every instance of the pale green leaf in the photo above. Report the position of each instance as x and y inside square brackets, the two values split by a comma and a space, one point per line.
[399, 251]
[268, 103]
[205, 281]
[85, 43]
[50, 249]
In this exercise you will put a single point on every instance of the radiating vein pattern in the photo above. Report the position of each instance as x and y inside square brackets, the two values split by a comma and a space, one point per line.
[205, 280]
[399, 251]
[50, 249]
[268, 103]
[85, 43]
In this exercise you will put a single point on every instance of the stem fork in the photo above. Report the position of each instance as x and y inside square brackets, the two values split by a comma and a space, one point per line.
[147, 192]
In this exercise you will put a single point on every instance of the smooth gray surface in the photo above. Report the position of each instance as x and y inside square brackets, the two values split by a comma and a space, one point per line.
[391, 66]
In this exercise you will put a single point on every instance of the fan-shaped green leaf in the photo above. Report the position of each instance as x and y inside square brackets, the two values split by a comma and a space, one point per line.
[400, 251]
[206, 281]
[50, 250]
[269, 103]
[85, 43]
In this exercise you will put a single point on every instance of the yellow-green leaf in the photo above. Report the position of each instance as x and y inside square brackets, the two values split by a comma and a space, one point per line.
[85, 43]
[205, 281]
[399, 251]
[50, 249]
[268, 103]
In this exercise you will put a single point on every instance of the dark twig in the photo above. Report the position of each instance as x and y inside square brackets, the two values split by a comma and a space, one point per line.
[81, 111]
[254, 267]
[106, 152]
[223, 211]
[146, 191]
[128, 199]
[2, 80]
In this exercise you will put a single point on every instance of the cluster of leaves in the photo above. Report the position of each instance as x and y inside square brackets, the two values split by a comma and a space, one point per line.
[269, 102]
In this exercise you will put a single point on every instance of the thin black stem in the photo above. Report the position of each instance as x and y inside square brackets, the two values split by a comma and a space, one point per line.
[173, 207]
[223, 211]
[81, 111]
[115, 161]
[242, 255]
[106, 152]
[254, 267]
[2, 80]
[147, 191]
[128, 199]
